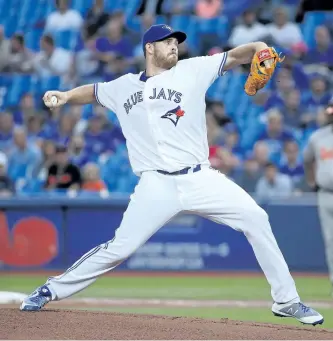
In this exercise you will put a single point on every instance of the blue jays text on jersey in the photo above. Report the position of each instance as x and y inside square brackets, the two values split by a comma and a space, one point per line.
[166, 94]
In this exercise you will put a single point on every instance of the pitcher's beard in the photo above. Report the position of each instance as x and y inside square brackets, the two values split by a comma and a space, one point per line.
[165, 63]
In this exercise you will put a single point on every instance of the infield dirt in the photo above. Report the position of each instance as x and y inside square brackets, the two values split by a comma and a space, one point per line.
[81, 325]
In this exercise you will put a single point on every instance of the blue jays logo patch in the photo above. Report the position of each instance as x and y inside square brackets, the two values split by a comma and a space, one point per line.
[174, 115]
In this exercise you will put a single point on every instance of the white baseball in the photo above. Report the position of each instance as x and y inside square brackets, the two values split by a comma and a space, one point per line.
[54, 100]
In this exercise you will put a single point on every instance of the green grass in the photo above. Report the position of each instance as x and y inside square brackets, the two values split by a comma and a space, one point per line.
[203, 288]
[238, 288]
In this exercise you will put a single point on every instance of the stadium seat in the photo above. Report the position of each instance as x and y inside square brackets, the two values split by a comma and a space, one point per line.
[232, 8]
[161, 19]
[180, 22]
[134, 23]
[234, 87]
[126, 184]
[114, 5]
[82, 6]
[29, 186]
[4, 10]
[10, 24]
[32, 38]
[52, 82]
[218, 26]
[131, 7]
[5, 86]
[20, 85]
[66, 39]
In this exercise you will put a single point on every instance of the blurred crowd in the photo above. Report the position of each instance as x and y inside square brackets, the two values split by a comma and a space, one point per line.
[256, 141]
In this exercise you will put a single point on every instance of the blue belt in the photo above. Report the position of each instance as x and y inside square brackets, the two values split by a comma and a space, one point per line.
[182, 171]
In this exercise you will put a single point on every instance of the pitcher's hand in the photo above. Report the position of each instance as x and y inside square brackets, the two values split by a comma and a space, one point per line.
[62, 99]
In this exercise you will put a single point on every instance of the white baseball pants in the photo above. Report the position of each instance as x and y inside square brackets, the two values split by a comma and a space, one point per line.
[158, 198]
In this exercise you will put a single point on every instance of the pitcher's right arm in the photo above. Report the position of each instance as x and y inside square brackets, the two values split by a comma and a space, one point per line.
[102, 93]
[80, 95]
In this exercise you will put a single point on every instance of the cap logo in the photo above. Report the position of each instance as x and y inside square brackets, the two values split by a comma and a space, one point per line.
[167, 27]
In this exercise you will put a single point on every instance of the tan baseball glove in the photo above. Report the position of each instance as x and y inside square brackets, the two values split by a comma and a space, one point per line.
[263, 66]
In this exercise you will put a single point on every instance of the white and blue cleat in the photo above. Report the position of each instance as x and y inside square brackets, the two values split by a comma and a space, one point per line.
[299, 311]
[37, 299]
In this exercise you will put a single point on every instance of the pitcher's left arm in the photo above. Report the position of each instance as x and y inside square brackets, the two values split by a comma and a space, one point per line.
[243, 54]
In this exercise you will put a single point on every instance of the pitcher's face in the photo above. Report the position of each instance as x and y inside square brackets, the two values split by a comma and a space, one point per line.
[165, 53]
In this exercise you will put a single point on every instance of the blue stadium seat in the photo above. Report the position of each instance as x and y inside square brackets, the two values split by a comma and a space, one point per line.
[4, 10]
[218, 89]
[218, 26]
[109, 172]
[234, 88]
[180, 22]
[52, 82]
[192, 34]
[232, 8]
[5, 86]
[23, 15]
[35, 86]
[37, 14]
[82, 6]
[31, 186]
[249, 135]
[126, 184]
[32, 38]
[131, 7]
[20, 85]
[66, 39]
[38, 86]
[113, 5]
[238, 113]
[10, 24]
[134, 23]
[161, 19]
[112, 117]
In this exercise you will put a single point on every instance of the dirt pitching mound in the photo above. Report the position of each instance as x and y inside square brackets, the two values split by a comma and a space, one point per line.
[80, 325]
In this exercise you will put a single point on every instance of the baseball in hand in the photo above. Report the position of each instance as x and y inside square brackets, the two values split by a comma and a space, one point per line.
[54, 100]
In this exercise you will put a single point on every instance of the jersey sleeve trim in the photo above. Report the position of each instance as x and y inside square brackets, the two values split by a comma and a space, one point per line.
[224, 59]
[96, 94]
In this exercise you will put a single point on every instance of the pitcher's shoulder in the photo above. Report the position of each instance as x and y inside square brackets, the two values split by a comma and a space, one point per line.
[188, 66]
[187, 62]
[128, 77]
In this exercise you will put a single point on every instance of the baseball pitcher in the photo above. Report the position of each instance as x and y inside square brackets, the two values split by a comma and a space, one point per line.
[162, 114]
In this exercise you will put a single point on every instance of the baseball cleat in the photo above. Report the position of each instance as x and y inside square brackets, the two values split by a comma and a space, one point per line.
[37, 299]
[299, 311]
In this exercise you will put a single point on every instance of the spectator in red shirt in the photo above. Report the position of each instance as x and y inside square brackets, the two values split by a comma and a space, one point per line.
[91, 179]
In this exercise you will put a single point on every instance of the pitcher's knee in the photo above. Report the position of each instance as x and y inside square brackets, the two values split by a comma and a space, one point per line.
[256, 214]
[125, 252]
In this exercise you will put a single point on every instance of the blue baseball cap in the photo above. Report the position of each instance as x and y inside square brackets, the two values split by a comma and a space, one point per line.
[161, 32]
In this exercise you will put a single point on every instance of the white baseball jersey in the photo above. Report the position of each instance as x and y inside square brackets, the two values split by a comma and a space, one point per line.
[163, 117]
